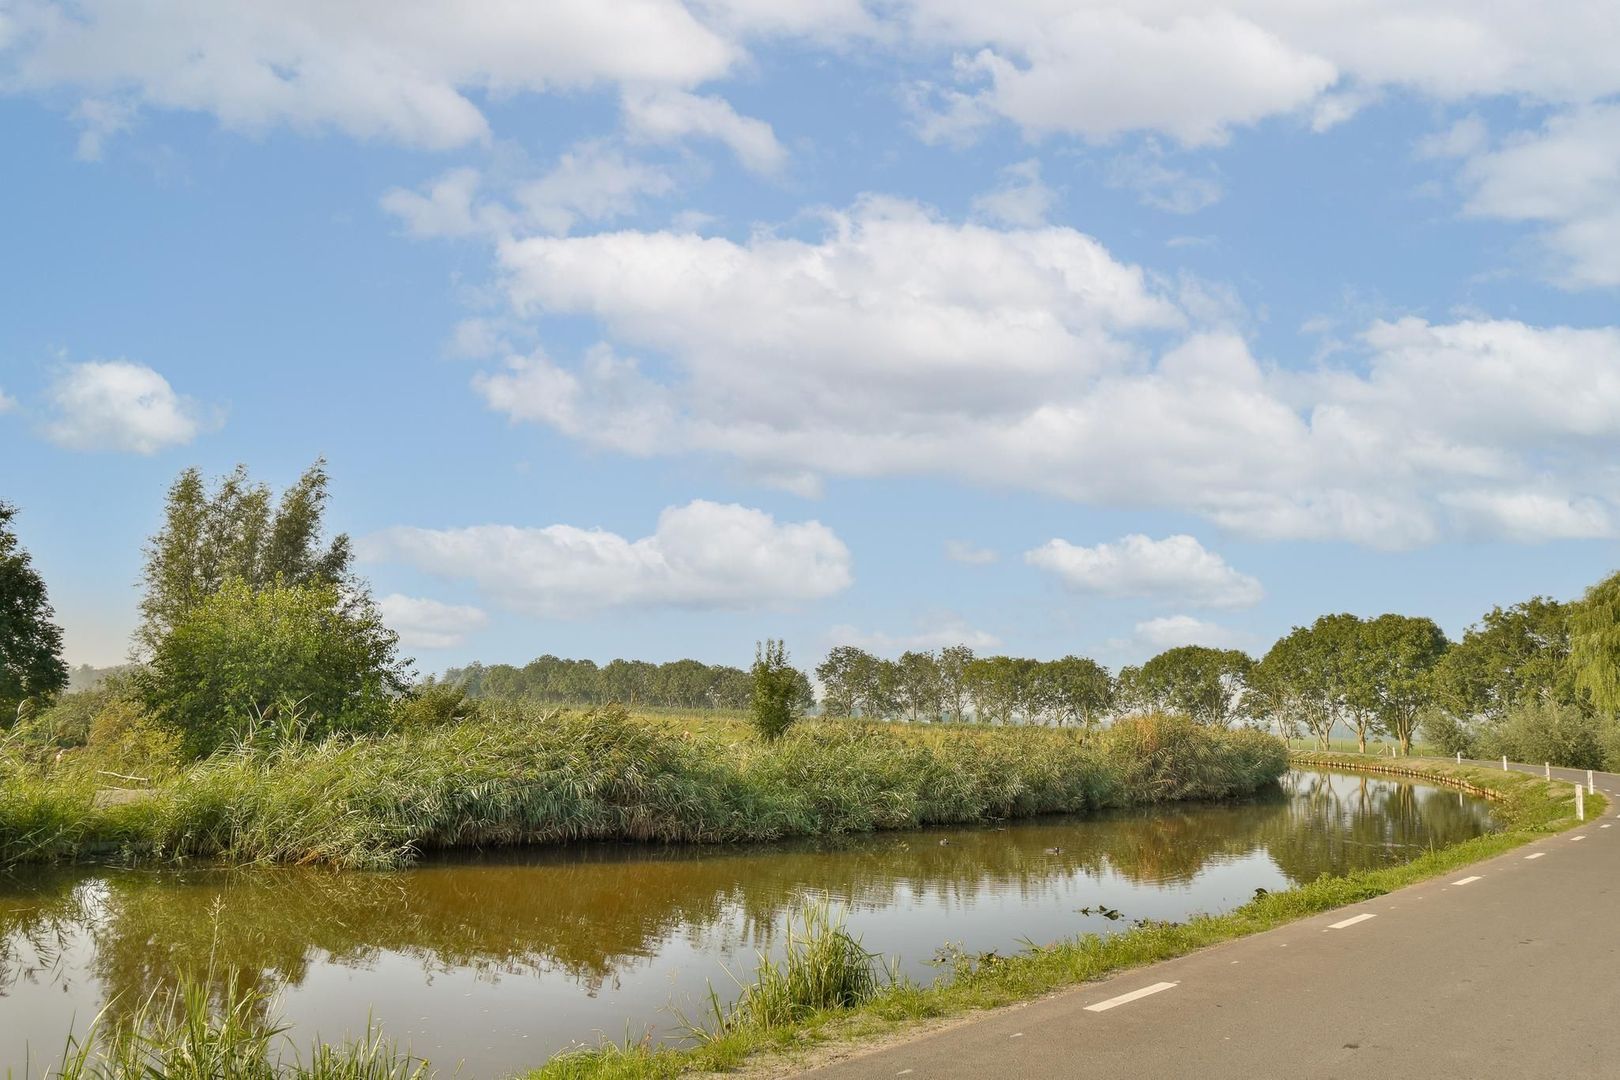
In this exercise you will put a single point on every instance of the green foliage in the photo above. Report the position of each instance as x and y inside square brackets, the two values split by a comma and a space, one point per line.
[522, 777]
[1203, 684]
[234, 534]
[434, 705]
[31, 667]
[824, 967]
[185, 1035]
[1594, 656]
[1547, 730]
[552, 680]
[127, 741]
[1512, 655]
[1392, 676]
[777, 695]
[244, 658]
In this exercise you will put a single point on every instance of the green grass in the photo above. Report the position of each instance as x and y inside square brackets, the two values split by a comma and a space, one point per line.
[1525, 806]
[558, 777]
[188, 1035]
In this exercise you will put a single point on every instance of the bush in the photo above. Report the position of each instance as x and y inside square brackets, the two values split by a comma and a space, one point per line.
[775, 703]
[295, 658]
[1549, 731]
[126, 740]
[435, 705]
[1450, 735]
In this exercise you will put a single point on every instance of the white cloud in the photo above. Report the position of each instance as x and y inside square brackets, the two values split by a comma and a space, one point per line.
[1181, 69]
[899, 344]
[945, 632]
[429, 624]
[119, 405]
[371, 69]
[7, 402]
[1176, 568]
[1565, 177]
[1173, 631]
[963, 552]
[702, 555]
[669, 115]
[591, 181]
[1021, 199]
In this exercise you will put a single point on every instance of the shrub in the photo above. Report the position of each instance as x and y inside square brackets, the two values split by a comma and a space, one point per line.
[775, 703]
[1548, 730]
[291, 657]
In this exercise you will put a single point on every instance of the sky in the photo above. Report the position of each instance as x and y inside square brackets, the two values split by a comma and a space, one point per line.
[651, 328]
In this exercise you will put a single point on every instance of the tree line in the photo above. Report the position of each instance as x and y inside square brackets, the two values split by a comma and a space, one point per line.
[553, 680]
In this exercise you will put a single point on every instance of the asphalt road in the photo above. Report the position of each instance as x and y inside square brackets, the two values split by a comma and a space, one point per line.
[1508, 968]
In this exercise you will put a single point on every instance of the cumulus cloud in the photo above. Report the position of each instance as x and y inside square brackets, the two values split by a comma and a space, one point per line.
[948, 631]
[119, 405]
[972, 555]
[702, 555]
[1565, 178]
[429, 624]
[897, 343]
[1176, 568]
[1173, 631]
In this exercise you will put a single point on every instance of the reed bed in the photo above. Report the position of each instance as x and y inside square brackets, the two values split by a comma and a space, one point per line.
[562, 776]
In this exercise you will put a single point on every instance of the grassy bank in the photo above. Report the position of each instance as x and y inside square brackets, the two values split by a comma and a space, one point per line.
[1525, 806]
[558, 777]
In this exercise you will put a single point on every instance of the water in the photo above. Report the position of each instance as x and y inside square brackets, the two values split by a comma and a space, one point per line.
[499, 961]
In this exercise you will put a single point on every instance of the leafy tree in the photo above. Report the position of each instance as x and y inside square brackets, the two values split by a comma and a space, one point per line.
[1512, 655]
[953, 694]
[777, 690]
[234, 532]
[917, 680]
[1078, 690]
[851, 682]
[1398, 654]
[292, 656]
[1553, 731]
[31, 667]
[1204, 684]
[1594, 654]
[998, 687]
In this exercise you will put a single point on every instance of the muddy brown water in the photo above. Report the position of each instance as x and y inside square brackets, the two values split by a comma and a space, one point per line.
[495, 962]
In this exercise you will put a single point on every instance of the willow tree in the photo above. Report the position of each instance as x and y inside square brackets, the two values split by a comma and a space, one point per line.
[1594, 647]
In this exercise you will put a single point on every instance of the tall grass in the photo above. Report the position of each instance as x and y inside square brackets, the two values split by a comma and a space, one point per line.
[187, 1035]
[559, 777]
[824, 967]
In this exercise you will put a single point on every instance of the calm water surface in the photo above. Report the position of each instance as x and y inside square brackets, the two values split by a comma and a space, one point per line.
[499, 961]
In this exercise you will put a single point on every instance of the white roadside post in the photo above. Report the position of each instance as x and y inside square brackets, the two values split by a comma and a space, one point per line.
[1580, 803]
[1504, 763]
[1591, 789]
[1459, 757]
[1547, 770]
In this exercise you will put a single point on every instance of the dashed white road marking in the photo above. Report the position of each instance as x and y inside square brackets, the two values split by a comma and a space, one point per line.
[1352, 920]
[1016, 1035]
[1575, 838]
[1134, 995]
[1537, 855]
[1467, 880]
[1609, 826]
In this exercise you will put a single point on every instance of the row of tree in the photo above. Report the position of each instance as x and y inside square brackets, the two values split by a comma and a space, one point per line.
[552, 680]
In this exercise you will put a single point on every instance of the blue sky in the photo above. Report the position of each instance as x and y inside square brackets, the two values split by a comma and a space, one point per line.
[652, 329]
